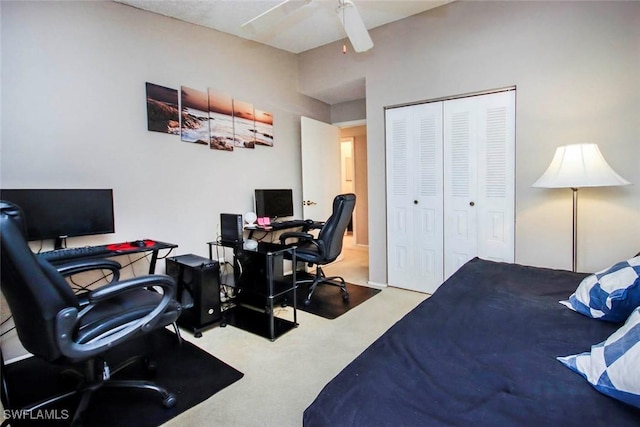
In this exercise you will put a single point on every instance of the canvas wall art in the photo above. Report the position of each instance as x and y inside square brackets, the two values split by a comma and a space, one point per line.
[243, 124]
[210, 117]
[195, 116]
[263, 128]
[163, 114]
[220, 121]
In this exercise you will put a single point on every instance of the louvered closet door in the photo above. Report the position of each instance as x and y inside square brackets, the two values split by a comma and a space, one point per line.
[479, 176]
[414, 196]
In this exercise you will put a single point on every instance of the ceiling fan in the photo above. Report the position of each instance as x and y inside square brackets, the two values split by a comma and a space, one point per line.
[346, 12]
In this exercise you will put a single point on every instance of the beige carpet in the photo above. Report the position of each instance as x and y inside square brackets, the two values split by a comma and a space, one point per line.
[283, 377]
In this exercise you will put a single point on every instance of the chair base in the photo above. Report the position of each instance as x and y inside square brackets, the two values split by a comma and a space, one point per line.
[319, 278]
[97, 375]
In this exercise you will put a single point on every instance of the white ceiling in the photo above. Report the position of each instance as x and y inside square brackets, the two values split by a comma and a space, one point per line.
[310, 24]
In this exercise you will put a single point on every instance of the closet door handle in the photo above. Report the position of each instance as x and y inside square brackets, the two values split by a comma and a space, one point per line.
[472, 203]
[415, 202]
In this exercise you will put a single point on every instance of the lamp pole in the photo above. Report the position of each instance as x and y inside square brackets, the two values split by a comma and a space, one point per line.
[574, 264]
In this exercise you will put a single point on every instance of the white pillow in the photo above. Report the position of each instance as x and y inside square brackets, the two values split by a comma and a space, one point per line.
[612, 367]
[610, 294]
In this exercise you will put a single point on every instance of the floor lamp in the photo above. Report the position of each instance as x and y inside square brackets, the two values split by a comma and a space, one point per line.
[576, 166]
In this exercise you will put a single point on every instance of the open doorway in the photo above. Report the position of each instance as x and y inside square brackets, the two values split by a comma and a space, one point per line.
[353, 264]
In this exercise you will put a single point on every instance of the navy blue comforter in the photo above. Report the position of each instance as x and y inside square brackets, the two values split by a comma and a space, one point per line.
[480, 352]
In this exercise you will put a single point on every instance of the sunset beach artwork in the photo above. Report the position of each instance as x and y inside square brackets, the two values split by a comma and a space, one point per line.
[220, 121]
[263, 128]
[210, 117]
[163, 114]
[195, 116]
[243, 124]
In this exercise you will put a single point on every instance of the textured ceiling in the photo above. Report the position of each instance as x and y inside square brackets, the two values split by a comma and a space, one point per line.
[298, 26]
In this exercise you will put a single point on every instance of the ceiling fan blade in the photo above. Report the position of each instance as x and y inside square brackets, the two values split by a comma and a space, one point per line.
[274, 15]
[354, 26]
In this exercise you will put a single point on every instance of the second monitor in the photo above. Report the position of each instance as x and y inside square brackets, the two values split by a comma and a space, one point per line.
[274, 203]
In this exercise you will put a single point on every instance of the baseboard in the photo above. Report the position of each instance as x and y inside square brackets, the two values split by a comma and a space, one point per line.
[377, 285]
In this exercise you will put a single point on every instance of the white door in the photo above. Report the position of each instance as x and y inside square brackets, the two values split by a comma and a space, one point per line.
[414, 196]
[320, 168]
[479, 176]
[496, 177]
[460, 183]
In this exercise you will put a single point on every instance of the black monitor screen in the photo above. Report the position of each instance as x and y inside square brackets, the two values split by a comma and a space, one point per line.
[51, 214]
[274, 203]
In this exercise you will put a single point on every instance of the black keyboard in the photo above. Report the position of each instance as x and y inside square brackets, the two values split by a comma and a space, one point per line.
[71, 253]
[279, 225]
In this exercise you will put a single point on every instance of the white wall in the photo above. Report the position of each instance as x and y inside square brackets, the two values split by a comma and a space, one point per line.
[576, 66]
[74, 115]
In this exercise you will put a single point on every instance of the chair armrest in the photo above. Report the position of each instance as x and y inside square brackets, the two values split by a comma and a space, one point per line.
[75, 267]
[68, 318]
[310, 224]
[117, 288]
[295, 234]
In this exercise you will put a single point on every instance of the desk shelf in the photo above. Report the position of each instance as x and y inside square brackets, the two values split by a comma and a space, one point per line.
[257, 322]
[260, 283]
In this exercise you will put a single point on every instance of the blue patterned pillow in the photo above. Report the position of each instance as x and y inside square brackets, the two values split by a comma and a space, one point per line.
[610, 294]
[612, 366]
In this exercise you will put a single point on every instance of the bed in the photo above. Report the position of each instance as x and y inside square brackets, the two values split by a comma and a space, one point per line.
[481, 351]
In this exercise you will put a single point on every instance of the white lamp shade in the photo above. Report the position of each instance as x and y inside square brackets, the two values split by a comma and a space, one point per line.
[354, 27]
[579, 165]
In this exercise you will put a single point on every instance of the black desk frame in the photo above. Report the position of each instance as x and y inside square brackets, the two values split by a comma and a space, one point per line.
[250, 317]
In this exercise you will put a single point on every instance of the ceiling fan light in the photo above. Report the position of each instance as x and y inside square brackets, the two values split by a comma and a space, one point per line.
[354, 27]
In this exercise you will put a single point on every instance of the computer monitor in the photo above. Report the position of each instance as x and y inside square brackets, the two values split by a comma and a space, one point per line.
[60, 213]
[276, 203]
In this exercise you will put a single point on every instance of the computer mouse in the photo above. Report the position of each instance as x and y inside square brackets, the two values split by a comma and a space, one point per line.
[138, 243]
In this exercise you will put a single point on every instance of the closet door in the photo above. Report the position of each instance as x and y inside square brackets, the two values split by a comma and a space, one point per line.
[414, 196]
[479, 170]
[460, 183]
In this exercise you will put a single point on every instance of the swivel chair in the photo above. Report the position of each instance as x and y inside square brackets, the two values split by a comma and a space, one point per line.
[326, 247]
[55, 324]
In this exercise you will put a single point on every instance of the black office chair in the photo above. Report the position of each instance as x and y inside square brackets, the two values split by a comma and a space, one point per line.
[56, 325]
[326, 247]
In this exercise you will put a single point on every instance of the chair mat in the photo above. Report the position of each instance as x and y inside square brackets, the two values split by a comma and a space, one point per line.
[187, 371]
[327, 301]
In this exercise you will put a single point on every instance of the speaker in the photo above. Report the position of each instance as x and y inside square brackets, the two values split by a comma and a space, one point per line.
[231, 229]
[198, 283]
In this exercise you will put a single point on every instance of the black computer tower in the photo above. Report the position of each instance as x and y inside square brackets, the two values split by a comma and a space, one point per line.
[198, 290]
[231, 229]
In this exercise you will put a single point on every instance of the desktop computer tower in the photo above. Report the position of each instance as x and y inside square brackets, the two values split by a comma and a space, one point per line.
[198, 290]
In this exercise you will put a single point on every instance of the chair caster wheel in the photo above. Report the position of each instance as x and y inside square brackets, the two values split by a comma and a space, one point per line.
[345, 298]
[170, 401]
[307, 302]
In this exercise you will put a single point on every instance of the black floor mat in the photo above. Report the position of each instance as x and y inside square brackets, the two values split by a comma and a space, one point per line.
[188, 372]
[327, 301]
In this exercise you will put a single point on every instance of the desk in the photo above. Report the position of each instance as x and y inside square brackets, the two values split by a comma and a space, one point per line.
[259, 282]
[61, 256]
[283, 225]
